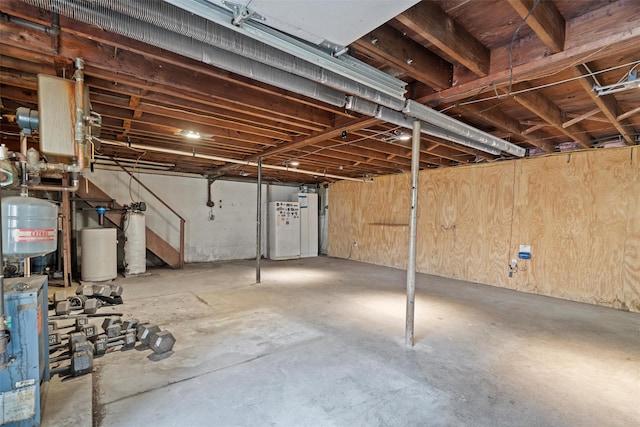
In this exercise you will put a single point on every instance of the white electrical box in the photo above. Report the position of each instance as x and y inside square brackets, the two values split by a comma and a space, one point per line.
[284, 230]
[308, 223]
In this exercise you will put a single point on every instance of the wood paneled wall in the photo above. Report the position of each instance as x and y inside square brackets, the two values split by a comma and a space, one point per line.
[580, 212]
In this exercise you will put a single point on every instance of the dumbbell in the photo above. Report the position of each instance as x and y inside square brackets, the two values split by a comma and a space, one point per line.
[102, 343]
[112, 326]
[116, 290]
[101, 290]
[81, 363]
[77, 342]
[130, 324]
[161, 342]
[63, 307]
[144, 332]
[59, 296]
[56, 337]
[85, 290]
[82, 326]
[92, 305]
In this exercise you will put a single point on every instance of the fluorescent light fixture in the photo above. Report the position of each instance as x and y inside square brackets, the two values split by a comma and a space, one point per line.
[632, 82]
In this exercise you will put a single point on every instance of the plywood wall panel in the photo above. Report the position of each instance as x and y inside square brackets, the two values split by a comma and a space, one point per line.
[580, 213]
[630, 294]
[464, 222]
[572, 209]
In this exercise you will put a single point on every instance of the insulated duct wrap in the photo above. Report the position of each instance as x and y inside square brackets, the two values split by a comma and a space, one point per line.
[399, 119]
[429, 115]
[361, 106]
[168, 27]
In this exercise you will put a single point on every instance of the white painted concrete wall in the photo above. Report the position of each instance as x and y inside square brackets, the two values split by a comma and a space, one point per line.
[231, 234]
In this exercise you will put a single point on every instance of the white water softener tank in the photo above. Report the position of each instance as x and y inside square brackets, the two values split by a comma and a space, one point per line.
[99, 254]
[135, 244]
[29, 227]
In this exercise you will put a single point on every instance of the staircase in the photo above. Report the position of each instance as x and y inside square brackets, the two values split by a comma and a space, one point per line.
[94, 197]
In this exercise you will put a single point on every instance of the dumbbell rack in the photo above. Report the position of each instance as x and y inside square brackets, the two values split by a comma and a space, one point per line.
[27, 369]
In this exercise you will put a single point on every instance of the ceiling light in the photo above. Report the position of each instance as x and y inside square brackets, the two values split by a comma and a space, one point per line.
[294, 163]
[397, 136]
[632, 82]
[403, 136]
[193, 135]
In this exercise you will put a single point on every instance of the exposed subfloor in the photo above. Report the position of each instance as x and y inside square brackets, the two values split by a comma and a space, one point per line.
[320, 342]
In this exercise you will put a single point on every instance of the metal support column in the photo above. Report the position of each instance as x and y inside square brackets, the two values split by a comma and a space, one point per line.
[411, 268]
[259, 221]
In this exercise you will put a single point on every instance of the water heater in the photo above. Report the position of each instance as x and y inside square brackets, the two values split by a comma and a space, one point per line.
[135, 243]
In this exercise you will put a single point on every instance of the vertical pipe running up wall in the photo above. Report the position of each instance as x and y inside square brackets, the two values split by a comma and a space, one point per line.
[3, 337]
[413, 220]
[259, 221]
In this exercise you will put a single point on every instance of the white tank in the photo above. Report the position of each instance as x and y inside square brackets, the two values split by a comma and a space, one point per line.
[99, 254]
[29, 227]
[135, 243]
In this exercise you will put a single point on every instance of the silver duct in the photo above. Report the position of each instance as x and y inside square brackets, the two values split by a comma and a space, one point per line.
[166, 26]
[398, 119]
[429, 115]
[345, 65]
[199, 30]
[185, 46]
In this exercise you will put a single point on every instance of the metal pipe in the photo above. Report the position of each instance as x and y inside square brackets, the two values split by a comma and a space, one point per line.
[228, 160]
[399, 119]
[3, 324]
[413, 222]
[27, 267]
[259, 221]
[75, 184]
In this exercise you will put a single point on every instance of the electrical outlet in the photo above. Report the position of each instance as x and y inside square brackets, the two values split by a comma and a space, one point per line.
[514, 263]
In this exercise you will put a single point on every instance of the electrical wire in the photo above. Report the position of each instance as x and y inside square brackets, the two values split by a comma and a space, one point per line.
[513, 38]
[635, 64]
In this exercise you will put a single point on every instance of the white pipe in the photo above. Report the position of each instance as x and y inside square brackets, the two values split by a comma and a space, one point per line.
[228, 160]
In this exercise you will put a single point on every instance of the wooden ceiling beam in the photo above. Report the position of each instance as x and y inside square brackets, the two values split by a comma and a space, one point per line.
[389, 45]
[310, 139]
[502, 121]
[549, 112]
[216, 107]
[545, 20]
[319, 136]
[162, 77]
[580, 117]
[628, 114]
[429, 21]
[177, 123]
[617, 29]
[607, 104]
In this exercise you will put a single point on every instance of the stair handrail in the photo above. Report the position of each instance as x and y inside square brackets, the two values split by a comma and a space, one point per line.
[182, 220]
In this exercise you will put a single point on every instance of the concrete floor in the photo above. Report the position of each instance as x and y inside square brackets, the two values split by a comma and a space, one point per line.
[321, 343]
